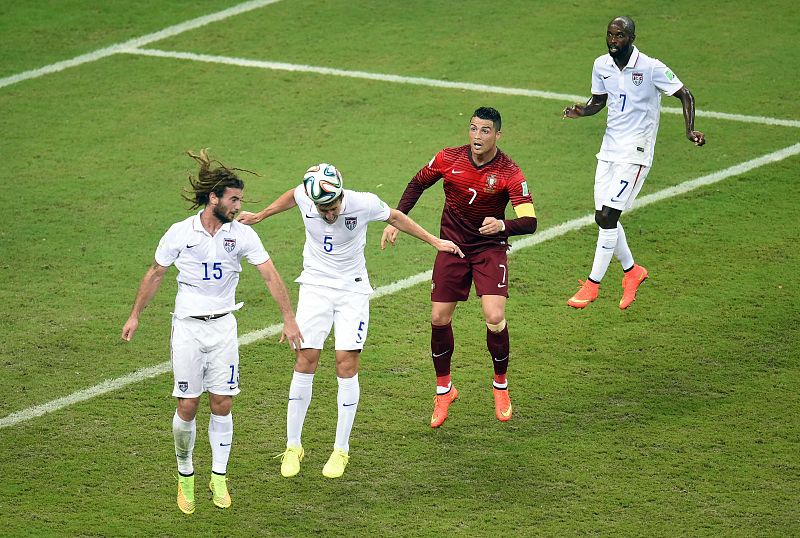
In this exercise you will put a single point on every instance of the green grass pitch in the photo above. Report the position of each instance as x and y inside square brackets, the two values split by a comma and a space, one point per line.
[677, 417]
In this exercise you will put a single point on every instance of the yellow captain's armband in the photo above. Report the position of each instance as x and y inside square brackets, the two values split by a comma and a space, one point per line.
[525, 210]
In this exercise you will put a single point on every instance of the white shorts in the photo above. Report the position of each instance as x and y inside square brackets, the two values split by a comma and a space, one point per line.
[205, 356]
[618, 184]
[319, 307]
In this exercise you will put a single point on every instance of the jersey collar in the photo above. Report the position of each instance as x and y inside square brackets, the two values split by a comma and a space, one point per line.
[484, 165]
[197, 225]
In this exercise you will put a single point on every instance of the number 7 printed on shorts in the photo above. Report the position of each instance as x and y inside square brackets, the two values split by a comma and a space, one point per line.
[624, 186]
[502, 283]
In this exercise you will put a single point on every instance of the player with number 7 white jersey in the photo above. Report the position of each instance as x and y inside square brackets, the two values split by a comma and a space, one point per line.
[630, 84]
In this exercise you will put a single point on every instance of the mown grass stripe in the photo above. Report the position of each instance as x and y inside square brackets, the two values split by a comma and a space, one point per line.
[395, 287]
[419, 81]
[136, 42]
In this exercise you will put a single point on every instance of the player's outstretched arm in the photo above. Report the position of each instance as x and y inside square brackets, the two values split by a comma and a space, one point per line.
[401, 221]
[687, 102]
[594, 105]
[147, 290]
[276, 287]
[282, 203]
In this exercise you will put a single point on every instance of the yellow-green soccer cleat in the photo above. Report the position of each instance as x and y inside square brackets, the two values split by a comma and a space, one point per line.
[336, 464]
[219, 491]
[186, 494]
[290, 460]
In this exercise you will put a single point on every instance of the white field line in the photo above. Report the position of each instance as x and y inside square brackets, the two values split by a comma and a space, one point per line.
[133, 46]
[137, 42]
[419, 81]
[395, 287]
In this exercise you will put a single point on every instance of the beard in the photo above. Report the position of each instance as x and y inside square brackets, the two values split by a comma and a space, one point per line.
[222, 214]
[622, 52]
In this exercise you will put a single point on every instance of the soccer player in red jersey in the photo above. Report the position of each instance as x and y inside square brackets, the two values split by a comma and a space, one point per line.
[479, 181]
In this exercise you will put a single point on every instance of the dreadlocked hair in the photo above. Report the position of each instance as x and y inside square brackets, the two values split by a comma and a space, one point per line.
[209, 179]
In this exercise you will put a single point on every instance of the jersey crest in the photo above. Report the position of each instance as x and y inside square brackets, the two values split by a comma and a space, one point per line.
[229, 243]
[491, 182]
[350, 223]
[637, 78]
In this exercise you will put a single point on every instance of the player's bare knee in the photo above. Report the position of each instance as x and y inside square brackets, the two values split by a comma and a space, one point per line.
[347, 363]
[305, 366]
[441, 319]
[187, 408]
[220, 405]
[346, 371]
[307, 361]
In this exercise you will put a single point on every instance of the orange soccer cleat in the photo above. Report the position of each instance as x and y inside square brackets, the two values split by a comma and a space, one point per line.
[630, 283]
[588, 293]
[441, 403]
[502, 405]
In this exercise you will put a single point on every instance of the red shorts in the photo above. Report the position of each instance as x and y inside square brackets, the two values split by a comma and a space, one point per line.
[453, 276]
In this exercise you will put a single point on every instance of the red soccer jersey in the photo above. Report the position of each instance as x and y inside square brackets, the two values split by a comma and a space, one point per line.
[471, 193]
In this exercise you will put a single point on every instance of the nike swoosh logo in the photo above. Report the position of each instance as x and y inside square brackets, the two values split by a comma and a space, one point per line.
[506, 413]
[308, 216]
[348, 405]
[581, 301]
[434, 355]
[605, 77]
[501, 285]
[455, 172]
[224, 444]
[290, 399]
[191, 246]
[607, 248]
[501, 360]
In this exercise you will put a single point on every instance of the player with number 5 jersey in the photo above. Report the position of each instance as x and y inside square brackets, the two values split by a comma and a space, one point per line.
[479, 181]
[334, 292]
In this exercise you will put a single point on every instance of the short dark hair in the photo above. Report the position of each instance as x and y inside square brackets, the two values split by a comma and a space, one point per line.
[489, 113]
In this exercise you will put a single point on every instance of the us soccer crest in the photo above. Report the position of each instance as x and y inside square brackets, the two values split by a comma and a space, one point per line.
[350, 223]
[491, 183]
[229, 243]
[638, 78]
[183, 386]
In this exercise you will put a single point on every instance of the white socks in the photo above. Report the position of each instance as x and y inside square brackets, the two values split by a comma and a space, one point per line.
[610, 243]
[300, 392]
[220, 435]
[347, 401]
[622, 252]
[184, 433]
[606, 244]
[299, 400]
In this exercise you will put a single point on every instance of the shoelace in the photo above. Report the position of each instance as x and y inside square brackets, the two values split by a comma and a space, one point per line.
[283, 454]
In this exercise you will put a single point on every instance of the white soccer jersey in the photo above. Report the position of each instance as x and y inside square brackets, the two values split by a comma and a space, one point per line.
[634, 105]
[208, 266]
[333, 255]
